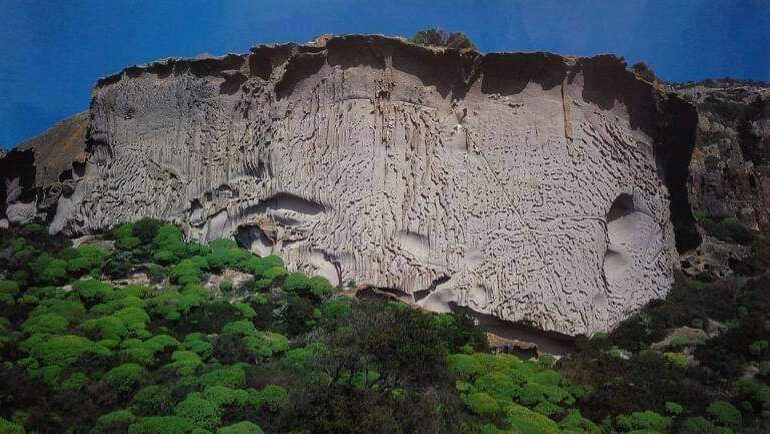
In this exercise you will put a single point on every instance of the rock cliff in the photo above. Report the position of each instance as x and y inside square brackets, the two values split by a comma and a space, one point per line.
[534, 187]
[730, 169]
[39, 170]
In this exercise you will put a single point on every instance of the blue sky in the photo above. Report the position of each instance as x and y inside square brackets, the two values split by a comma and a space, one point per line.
[52, 51]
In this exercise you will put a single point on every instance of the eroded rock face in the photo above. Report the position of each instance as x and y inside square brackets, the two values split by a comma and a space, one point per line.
[531, 187]
[39, 170]
[730, 169]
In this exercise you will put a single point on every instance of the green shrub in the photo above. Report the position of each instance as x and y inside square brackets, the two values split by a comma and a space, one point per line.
[86, 259]
[320, 286]
[296, 281]
[575, 423]
[225, 286]
[147, 229]
[93, 290]
[526, 421]
[63, 350]
[107, 327]
[156, 273]
[114, 421]
[699, 425]
[185, 362]
[45, 323]
[439, 38]
[197, 343]
[336, 308]
[8, 427]
[127, 244]
[677, 359]
[74, 382]
[153, 400]
[126, 376]
[185, 272]
[9, 287]
[230, 376]
[643, 420]
[54, 272]
[724, 413]
[244, 427]
[135, 318]
[464, 365]
[202, 412]
[167, 244]
[673, 408]
[221, 395]
[758, 347]
[162, 425]
[245, 309]
[481, 403]
[123, 230]
[73, 310]
[272, 397]
[497, 384]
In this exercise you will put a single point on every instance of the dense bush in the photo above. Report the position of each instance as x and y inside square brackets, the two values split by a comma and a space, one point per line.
[440, 38]
[285, 354]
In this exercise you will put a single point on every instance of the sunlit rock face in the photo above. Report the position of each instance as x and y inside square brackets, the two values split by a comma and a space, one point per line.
[531, 187]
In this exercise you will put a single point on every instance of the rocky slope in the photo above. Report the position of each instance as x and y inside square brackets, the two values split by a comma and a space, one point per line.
[37, 171]
[533, 187]
[730, 169]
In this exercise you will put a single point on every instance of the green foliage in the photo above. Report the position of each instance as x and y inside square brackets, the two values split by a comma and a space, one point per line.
[700, 425]
[440, 38]
[153, 400]
[185, 272]
[729, 229]
[482, 403]
[296, 358]
[673, 408]
[93, 290]
[73, 310]
[114, 421]
[677, 359]
[526, 421]
[148, 229]
[126, 376]
[63, 350]
[225, 286]
[9, 287]
[87, 258]
[45, 323]
[134, 318]
[724, 413]
[244, 427]
[464, 365]
[272, 396]
[202, 412]
[8, 427]
[336, 308]
[229, 376]
[575, 423]
[162, 425]
[643, 420]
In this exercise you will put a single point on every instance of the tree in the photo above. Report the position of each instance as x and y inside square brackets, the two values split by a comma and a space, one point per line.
[440, 38]
[644, 71]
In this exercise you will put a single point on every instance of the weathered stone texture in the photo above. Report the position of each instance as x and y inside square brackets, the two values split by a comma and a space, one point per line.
[730, 169]
[532, 187]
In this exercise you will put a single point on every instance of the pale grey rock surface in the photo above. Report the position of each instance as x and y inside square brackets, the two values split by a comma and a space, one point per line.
[532, 187]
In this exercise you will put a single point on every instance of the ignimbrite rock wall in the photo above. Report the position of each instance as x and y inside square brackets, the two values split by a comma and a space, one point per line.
[529, 186]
